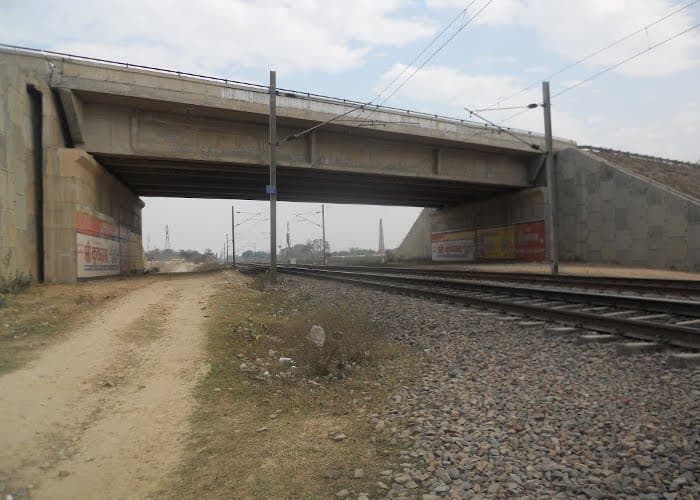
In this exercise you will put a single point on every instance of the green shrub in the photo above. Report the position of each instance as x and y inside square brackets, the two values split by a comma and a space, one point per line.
[14, 285]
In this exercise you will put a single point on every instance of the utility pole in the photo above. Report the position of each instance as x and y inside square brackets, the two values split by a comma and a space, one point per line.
[233, 239]
[381, 250]
[551, 179]
[323, 226]
[289, 246]
[226, 247]
[272, 188]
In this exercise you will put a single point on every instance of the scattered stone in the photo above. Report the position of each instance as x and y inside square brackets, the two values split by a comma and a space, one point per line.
[63, 473]
[561, 330]
[262, 429]
[402, 478]
[596, 338]
[630, 348]
[684, 359]
[286, 362]
[358, 474]
[338, 437]
[511, 414]
[411, 485]
[317, 335]
[342, 494]
[333, 474]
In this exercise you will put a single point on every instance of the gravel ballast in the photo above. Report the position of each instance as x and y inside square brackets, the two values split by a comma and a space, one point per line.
[501, 409]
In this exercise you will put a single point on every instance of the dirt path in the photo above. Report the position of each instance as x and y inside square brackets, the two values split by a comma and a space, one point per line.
[107, 410]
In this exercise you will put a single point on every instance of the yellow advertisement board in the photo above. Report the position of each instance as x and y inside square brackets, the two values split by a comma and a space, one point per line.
[495, 243]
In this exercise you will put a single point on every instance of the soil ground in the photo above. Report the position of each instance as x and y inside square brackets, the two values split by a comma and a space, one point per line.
[134, 390]
[106, 407]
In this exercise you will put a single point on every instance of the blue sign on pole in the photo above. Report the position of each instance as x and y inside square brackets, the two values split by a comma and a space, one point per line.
[270, 189]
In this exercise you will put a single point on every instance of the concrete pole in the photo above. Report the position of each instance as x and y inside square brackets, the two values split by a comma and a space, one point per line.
[226, 247]
[551, 179]
[289, 246]
[273, 176]
[233, 239]
[323, 226]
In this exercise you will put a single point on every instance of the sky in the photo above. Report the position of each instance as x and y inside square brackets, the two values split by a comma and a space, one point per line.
[648, 105]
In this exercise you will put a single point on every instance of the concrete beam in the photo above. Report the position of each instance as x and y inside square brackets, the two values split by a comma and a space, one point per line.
[73, 112]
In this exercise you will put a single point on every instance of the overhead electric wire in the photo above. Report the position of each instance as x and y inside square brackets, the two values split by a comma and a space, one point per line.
[307, 131]
[597, 52]
[419, 55]
[597, 74]
[425, 49]
[528, 144]
[461, 28]
[626, 60]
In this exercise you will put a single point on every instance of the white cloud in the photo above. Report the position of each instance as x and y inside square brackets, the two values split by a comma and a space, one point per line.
[216, 35]
[446, 90]
[573, 29]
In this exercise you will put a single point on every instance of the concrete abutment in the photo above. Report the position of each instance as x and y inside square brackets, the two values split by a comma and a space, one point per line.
[47, 189]
[606, 215]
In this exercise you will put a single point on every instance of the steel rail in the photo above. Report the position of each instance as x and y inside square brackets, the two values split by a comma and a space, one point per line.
[677, 335]
[681, 336]
[639, 285]
[651, 304]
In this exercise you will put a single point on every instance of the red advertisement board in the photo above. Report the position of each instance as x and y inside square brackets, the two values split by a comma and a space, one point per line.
[530, 241]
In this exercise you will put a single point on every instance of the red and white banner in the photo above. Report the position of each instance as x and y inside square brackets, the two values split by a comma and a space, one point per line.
[453, 245]
[97, 243]
[530, 241]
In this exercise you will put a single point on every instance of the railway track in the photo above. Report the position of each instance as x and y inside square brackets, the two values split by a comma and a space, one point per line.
[660, 319]
[656, 286]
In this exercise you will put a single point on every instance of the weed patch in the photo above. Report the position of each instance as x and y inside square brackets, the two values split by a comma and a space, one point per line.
[270, 429]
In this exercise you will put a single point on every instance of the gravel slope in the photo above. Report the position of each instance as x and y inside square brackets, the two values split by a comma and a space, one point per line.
[502, 410]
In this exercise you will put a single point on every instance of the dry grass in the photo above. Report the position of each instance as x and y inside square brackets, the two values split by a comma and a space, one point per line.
[41, 314]
[263, 430]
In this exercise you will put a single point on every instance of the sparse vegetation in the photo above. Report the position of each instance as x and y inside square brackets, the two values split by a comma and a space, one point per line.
[263, 429]
[16, 284]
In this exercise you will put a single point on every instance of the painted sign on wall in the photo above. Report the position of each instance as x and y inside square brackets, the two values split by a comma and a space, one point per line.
[97, 244]
[495, 243]
[453, 245]
[530, 241]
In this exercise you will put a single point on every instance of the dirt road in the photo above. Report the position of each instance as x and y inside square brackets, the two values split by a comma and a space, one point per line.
[105, 413]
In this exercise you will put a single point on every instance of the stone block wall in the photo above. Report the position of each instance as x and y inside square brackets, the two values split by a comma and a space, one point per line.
[609, 215]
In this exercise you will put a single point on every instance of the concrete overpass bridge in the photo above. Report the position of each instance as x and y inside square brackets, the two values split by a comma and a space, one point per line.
[165, 134]
[83, 139]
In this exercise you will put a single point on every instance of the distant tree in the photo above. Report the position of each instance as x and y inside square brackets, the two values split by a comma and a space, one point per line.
[193, 256]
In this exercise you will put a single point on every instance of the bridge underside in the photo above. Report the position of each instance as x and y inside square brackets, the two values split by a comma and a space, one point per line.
[188, 179]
